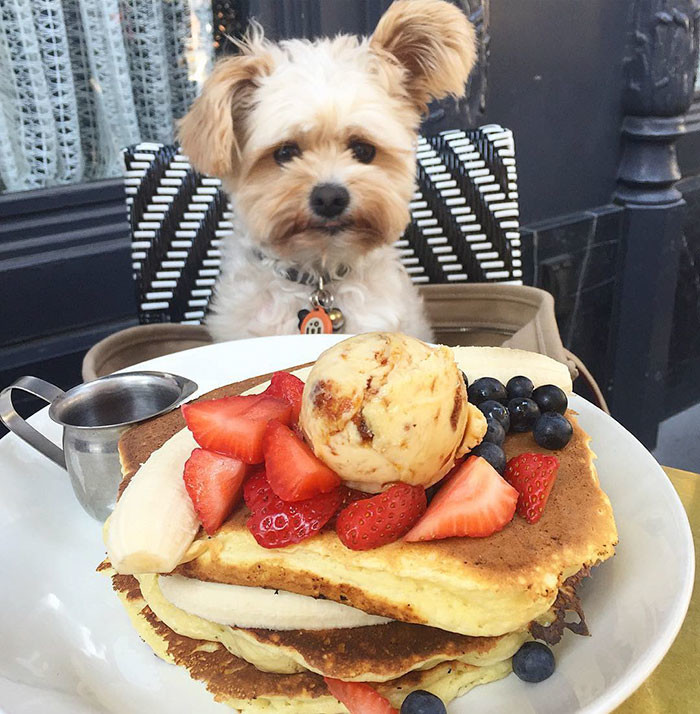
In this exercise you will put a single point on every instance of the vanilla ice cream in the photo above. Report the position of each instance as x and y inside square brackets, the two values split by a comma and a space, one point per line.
[382, 407]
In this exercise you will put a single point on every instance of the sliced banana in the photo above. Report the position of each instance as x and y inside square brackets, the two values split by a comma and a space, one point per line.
[243, 606]
[154, 523]
[505, 362]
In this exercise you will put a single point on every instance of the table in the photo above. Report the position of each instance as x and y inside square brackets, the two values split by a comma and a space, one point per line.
[674, 686]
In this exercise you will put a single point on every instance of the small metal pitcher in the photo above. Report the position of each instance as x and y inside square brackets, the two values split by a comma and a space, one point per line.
[93, 416]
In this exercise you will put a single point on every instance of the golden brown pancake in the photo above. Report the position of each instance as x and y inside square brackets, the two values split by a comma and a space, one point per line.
[473, 586]
[374, 653]
[379, 650]
[240, 685]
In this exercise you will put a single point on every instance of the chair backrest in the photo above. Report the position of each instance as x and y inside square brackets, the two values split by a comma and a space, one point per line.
[464, 225]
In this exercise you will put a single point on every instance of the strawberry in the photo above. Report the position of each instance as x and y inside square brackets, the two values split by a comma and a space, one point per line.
[475, 502]
[358, 697]
[255, 489]
[293, 471]
[350, 495]
[532, 475]
[381, 519]
[275, 523]
[234, 426]
[284, 385]
[213, 482]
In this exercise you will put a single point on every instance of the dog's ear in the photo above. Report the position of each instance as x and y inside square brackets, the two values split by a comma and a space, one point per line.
[212, 132]
[433, 42]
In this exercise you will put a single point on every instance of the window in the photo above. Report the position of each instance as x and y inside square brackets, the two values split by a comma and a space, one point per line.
[83, 79]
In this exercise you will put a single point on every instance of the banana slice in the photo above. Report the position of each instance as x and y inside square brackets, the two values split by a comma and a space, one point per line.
[505, 362]
[243, 606]
[154, 523]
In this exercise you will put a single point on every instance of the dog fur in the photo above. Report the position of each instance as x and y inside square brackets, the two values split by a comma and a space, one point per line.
[277, 120]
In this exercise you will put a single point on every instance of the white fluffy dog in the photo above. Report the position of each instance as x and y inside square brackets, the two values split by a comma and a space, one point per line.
[315, 142]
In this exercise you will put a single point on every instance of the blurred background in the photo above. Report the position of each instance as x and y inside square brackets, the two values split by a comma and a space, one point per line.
[600, 96]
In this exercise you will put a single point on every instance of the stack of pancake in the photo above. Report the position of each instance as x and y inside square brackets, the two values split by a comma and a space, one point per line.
[459, 608]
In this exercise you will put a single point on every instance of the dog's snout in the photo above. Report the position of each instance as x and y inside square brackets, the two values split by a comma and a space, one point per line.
[329, 199]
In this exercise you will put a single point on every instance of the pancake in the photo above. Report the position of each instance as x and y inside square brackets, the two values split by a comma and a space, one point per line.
[238, 684]
[471, 586]
[365, 654]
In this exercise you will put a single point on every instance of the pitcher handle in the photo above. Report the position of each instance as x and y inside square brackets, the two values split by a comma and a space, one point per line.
[14, 422]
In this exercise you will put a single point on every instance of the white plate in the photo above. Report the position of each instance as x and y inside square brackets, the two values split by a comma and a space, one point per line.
[67, 647]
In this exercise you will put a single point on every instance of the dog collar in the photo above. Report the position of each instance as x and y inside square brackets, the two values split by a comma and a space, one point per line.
[294, 274]
[323, 317]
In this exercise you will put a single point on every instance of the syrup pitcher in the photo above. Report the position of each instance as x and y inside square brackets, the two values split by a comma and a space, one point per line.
[94, 415]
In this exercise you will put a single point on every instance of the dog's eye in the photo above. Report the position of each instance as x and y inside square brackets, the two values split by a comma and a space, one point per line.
[362, 151]
[287, 152]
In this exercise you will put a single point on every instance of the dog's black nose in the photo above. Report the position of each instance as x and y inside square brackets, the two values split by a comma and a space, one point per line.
[329, 199]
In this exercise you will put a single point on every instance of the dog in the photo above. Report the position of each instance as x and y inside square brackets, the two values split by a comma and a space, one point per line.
[315, 143]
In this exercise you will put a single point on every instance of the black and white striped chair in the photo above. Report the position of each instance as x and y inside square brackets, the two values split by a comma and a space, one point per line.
[464, 225]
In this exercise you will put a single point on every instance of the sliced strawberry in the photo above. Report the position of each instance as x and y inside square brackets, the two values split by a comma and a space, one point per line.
[381, 519]
[213, 482]
[293, 471]
[255, 488]
[235, 426]
[275, 523]
[532, 475]
[358, 697]
[475, 502]
[288, 387]
[350, 495]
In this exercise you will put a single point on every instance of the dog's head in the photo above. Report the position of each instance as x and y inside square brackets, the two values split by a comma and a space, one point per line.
[316, 140]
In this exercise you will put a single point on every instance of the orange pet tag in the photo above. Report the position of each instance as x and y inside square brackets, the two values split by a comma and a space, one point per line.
[316, 322]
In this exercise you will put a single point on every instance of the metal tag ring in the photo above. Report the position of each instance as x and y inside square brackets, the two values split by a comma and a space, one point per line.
[321, 298]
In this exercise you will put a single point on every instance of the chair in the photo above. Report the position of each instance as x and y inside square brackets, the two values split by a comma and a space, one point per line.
[464, 225]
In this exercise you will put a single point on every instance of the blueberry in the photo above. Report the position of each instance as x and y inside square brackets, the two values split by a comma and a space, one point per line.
[519, 387]
[550, 398]
[466, 380]
[422, 702]
[523, 413]
[533, 662]
[552, 431]
[492, 409]
[486, 388]
[493, 454]
[495, 433]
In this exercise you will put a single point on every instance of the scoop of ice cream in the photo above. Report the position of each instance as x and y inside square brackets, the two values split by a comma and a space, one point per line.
[382, 407]
[475, 430]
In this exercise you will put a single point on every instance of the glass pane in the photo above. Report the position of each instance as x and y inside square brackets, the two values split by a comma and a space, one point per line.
[83, 79]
